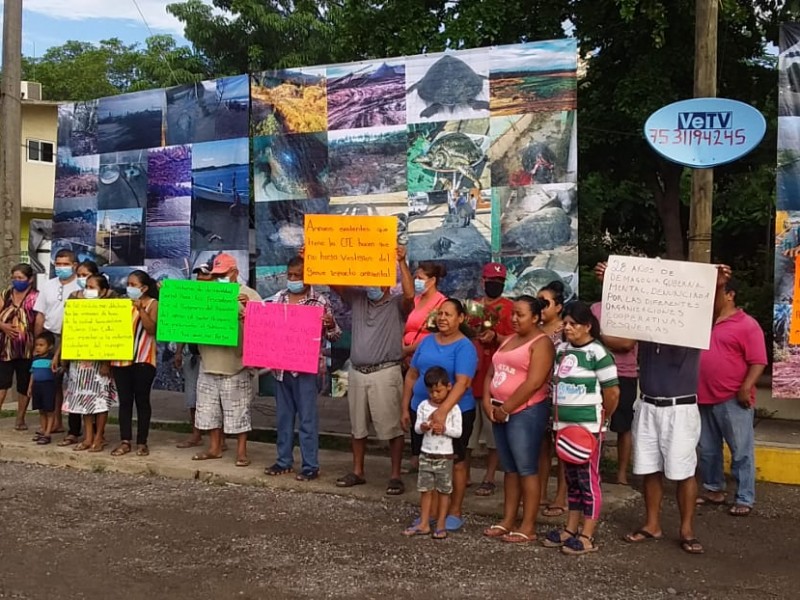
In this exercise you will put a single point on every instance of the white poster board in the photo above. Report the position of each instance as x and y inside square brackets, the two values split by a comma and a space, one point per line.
[662, 301]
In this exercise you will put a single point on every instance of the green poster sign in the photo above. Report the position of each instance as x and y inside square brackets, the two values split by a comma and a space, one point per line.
[198, 312]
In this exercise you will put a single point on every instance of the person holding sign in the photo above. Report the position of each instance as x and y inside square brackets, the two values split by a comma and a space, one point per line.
[666, 429]
[296, 393]
[91, 391]
[134, 378]
[225, 386]
[375, 379]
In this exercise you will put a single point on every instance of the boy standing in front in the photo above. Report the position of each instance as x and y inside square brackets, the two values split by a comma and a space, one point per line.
[42, 387]
[435, 479]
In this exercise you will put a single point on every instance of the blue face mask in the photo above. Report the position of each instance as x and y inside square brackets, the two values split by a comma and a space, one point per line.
[419, 285]
[295, 287]
[63, 272]
[374, 293]
[20, 286]
[82, 282]
[134, 293]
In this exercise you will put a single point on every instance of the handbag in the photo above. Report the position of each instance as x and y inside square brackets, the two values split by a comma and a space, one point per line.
[575, 444]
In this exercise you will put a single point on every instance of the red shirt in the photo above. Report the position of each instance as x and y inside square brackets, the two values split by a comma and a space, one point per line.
[504, 308]
[737, 342]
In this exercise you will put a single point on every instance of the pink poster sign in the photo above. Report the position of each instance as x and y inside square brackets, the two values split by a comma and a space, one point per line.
[282, 336]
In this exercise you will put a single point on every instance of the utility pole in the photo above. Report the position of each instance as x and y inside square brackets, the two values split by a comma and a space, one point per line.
[11, 131]
[705, 86]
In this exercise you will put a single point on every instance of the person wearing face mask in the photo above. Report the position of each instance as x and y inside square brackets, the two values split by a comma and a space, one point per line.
[428, 298]
[134, 378]
[91, 392]
[49, 307]
[224, 386]
[375, 380]
[296, 393]
[17, 320]
[486, 344]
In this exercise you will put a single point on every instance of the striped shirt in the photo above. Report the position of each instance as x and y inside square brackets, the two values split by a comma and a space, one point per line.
[144, 344]
[581, 374]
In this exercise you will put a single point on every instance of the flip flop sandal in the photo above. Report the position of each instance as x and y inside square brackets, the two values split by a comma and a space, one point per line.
[486, 488]
[692, 546]
[99, 448]
[453, 523]
[205, 456]
[517, 537]
[36, 436]
[121, 450]
[575, 547]
[707, 501]
[350, 480]
[189, 444]
[553, 511]
[276, 470]
[242, 462]
[495, 531]
[20, 427]
[643, 536]
[307, 475]
[43, 440]
[67, 441]
[439, 534]
[414, 530]
[395, 487]
[81, 447]
[553, 539]
[143, 450]
[740, 510]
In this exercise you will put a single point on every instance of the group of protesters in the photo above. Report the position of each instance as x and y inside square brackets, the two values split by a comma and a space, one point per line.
[521, 376]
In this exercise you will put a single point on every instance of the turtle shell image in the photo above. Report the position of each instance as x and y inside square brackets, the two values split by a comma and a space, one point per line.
[448, 84]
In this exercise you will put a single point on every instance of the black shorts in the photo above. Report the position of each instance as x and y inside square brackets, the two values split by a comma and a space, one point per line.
[21, 367]
[459, 445]
[622, 419]
[44, 396]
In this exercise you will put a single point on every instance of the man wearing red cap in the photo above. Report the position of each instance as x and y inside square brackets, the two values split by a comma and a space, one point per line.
[225, 386]
[497, 311]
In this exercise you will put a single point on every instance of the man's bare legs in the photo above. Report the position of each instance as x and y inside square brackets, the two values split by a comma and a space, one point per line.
[396, 454]
[624, 451]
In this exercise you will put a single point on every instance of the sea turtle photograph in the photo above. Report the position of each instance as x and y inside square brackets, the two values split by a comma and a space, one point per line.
[446, 87]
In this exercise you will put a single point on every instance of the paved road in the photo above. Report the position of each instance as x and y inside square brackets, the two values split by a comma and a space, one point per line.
[81, 535]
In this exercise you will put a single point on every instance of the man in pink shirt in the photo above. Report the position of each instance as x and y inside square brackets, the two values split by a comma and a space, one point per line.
[729, 370]
[625, 356]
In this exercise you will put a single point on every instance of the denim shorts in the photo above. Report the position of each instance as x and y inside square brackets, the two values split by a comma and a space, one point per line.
[520, 438]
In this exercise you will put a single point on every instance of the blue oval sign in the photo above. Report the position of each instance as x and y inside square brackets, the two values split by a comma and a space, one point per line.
[705, 132]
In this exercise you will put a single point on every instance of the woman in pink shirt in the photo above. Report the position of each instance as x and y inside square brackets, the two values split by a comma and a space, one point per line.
[516, 400]
[428, 298]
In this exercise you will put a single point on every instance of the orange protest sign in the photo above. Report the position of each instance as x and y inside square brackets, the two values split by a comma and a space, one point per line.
[344, 250]
[794, 324]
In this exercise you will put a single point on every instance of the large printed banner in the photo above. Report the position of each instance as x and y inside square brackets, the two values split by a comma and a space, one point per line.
[97, 330]
[786, 324]
[282, 336]
[663, 301]
[198, 312]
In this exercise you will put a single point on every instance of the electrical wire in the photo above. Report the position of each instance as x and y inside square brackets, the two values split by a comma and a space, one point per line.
[146, 24]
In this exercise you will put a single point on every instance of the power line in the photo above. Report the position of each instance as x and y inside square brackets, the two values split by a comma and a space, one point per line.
[146, 24]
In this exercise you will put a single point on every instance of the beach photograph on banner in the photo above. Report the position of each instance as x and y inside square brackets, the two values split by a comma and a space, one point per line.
[347, 250]
[97, 330]
[123, 180]
[169, 202]
[366, 94]
[77, 128]
[220, 195]
[533, 77]
[205, 111]
[130, 121]
[290, 167]
[282, 336]
[198, 312]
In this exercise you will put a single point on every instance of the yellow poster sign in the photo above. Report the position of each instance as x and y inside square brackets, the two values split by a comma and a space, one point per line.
[97, 330]
[794, 328]
[344, 250]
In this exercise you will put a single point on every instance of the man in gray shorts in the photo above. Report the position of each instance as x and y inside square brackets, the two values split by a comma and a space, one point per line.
[375, 381]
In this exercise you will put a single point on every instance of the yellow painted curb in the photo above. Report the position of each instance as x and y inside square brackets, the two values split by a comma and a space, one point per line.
[774, 463]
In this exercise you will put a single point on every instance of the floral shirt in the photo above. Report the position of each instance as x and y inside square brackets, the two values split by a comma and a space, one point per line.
[24, 317]
[312, 298]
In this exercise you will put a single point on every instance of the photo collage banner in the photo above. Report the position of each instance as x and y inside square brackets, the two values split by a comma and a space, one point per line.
[474, 152]
[786, 323]
[156, 180]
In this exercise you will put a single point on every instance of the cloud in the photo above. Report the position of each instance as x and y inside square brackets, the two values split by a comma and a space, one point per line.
[154, 11]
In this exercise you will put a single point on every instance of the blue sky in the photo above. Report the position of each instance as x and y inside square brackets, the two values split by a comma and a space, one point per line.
[47, 23]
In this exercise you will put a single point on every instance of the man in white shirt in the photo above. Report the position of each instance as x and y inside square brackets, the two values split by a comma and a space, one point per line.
[49, 309]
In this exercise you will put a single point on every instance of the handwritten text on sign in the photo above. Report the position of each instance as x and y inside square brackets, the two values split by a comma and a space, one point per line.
[198, 312]
[794, 331]
[342, 250]
[97, 330]
[282, 336]
[663, 301]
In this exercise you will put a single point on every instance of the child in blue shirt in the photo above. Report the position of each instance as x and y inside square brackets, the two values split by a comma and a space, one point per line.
[42, 388]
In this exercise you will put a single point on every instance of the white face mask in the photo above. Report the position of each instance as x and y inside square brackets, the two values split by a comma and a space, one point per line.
[91, 294]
